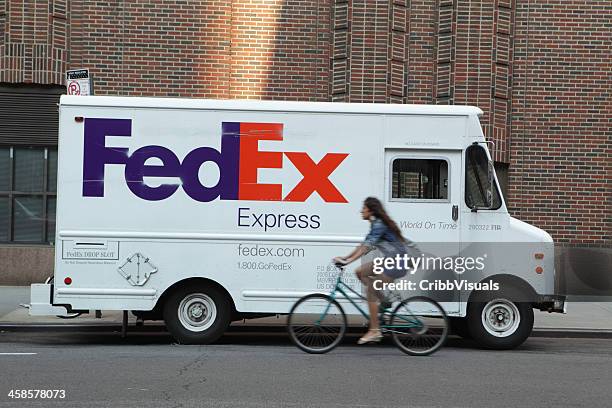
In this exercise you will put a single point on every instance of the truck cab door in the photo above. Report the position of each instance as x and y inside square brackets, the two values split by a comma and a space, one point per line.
[423, 190]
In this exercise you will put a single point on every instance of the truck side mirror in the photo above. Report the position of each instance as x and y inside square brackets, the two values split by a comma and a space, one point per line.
[481, 190]
[490, 185]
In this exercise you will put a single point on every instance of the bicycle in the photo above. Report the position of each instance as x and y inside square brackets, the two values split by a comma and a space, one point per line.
[418, 325]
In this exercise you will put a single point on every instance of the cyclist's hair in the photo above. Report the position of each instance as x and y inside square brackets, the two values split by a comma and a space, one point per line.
[379, 212]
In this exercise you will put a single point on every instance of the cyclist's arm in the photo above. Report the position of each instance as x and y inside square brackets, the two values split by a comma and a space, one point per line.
[373, 237]
[357, 253]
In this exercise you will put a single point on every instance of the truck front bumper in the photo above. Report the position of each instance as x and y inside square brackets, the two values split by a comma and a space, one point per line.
[552, 303]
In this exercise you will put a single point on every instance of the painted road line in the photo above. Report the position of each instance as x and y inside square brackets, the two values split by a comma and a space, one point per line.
[18, 354]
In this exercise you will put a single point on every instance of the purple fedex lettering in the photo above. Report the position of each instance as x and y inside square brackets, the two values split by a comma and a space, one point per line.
[226, 160]
[96, 154]
[136, 170]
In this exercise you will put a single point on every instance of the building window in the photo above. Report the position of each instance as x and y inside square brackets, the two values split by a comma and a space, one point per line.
[420, 179]
[28, 185]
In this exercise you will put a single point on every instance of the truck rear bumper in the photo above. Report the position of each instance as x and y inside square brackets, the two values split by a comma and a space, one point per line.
[40, 301]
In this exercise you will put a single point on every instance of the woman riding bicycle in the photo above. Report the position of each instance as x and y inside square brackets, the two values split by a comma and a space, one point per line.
[385, 236]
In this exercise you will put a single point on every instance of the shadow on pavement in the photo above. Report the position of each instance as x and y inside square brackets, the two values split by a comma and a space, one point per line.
[141, 338]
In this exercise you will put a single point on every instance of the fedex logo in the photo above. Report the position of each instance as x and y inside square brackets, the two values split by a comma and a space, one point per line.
[238, 162]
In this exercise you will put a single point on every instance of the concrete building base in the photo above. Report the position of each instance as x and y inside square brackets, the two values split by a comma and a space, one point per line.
[25, 264]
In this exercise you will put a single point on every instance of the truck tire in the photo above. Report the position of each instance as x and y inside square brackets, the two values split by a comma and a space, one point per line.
[499, 323]
[197, 314]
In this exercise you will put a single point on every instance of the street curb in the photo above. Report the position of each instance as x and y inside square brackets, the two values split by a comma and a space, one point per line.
[573, 333]
[153, 328]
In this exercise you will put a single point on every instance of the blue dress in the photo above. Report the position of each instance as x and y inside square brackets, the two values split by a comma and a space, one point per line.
[389, 244]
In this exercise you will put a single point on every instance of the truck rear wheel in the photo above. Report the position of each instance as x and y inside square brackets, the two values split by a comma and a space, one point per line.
[499, 323]
[197, 314]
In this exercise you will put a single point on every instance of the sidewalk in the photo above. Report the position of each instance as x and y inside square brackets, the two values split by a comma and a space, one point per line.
[583, 319]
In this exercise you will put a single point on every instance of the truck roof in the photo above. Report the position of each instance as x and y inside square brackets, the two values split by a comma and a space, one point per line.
[274, 106]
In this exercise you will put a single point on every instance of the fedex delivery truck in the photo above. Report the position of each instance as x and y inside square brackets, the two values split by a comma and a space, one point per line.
[201, 212]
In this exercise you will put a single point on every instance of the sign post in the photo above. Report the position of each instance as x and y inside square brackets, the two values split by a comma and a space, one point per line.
[78, 82]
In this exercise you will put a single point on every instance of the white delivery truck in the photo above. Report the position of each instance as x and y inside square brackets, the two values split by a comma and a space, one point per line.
[200, 212]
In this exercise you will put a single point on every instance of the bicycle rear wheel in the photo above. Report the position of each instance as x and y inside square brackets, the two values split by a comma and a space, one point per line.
[316, 323]
[419, 326]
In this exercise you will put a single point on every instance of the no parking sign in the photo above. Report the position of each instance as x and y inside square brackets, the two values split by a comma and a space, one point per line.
[78, 82]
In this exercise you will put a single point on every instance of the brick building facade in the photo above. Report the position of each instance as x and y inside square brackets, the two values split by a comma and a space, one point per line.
[539, 69]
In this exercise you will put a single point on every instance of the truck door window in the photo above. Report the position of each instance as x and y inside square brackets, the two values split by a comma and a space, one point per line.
[417, 179]
[476, 178]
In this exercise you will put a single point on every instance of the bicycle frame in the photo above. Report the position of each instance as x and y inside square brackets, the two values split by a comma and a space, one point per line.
[339, 288]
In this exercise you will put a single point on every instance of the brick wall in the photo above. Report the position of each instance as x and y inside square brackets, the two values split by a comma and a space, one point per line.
[163, 48]
[540, 70]
[279, 49]
[33, 41]
[208, 49]
[561, 144]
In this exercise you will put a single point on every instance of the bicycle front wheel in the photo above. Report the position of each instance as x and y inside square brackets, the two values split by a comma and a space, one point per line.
[419, 326]
[316, 323]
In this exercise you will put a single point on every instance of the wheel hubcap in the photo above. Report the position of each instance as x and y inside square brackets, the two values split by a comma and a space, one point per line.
[501, 318]
[197, 312]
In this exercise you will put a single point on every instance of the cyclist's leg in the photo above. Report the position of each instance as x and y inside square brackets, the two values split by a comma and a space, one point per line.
[366, 275]
[363, 271]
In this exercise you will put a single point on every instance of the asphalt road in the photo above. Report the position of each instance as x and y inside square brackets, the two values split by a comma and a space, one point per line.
[254, 370]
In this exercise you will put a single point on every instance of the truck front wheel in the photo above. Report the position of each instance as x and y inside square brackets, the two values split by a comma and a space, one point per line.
[197, 314]
[499, 323]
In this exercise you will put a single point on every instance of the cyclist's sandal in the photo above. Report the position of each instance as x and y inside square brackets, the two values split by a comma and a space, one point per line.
[371, 337]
